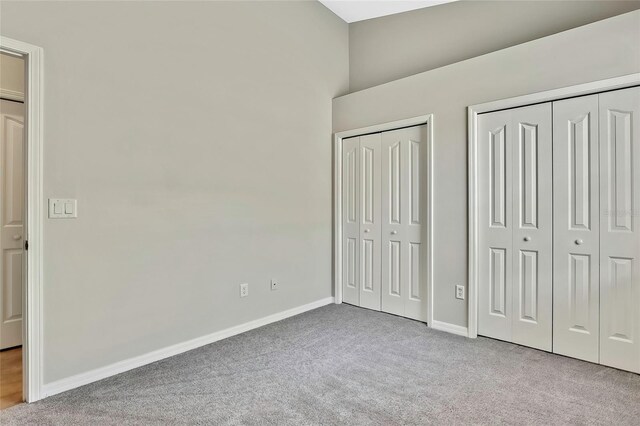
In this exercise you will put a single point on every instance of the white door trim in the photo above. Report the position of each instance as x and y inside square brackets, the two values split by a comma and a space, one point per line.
[337, 199]
[32, 319]
[472, 121]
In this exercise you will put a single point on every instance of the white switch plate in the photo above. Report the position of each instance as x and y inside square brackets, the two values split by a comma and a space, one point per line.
[63, 208]
[244, 290]
[274, 285]
[460, 292]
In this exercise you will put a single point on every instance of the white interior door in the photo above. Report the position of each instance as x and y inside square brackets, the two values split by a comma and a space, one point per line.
[533, 227]
[620, 229]
[12, 178]
[576, 303]
[351, 220]
[370, 255]
[404, 207]
[495, 185]
[515, 200]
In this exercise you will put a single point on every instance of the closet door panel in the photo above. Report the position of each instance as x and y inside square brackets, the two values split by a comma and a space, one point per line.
[415, 245]
[351, 220]
[532, 219]
[404, 208]
[620, 229]
[370, 252]
[395, 261]
[576, 228]
[495, 153]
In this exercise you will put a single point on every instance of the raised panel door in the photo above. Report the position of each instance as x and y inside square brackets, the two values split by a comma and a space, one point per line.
[619, 113]
[351, 220]
[370, 221]
[531, 138]
[404, 228]
[495, 153]
[576, 325]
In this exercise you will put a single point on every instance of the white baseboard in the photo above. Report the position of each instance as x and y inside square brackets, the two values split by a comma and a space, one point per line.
[82, 379]
[450, 328]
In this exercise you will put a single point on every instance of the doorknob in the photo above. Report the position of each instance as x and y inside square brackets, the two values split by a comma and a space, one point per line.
[17, 237]
[394, 232]
[579, 241]
[367, 230]
[527, 238]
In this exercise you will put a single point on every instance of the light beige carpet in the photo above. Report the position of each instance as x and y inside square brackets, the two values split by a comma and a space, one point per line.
[345, 365]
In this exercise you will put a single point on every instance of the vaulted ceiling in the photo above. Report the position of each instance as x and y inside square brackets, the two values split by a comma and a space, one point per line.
[359, 10]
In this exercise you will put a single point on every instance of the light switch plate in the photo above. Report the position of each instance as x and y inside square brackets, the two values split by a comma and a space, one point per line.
[63, 208]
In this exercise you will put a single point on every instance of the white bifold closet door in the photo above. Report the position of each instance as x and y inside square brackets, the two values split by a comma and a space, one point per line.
[597, 240]
[361, 221]
[350, 220]
[404, 206]
[620, 229]
[384, 206]
[595, 276]
[515, 244]
[576, 291]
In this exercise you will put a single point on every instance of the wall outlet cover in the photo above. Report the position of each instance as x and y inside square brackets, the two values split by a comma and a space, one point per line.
[460, 292]
[244, 290]
[274, 285]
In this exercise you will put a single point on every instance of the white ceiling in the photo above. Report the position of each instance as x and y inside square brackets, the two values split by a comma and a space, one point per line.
[359, 10]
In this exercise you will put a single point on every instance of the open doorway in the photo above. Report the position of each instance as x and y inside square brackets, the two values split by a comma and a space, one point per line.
[31, 242]
[12, 226]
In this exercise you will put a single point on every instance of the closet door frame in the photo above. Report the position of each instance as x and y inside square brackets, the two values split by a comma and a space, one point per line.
[337, 199]
[473, 111]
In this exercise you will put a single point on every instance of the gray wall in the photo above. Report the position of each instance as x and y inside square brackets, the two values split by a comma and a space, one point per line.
[397, 46]
[604, 49]
[196, 137]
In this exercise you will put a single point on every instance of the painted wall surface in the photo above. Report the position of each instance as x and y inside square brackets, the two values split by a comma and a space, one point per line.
[11, 73]
[397, 46]
[605, 49]
[196, 137]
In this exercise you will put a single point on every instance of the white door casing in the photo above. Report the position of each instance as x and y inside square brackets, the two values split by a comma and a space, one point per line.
[12, 212]
[404, 227]
[620, 229]
[370, 221]
[515, 225]
[32, 354]
[350, 220]
[576, 247]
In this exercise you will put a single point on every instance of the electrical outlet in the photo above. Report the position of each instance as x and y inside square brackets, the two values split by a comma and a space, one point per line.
[274, 285]
[460, 292]
[244, 290]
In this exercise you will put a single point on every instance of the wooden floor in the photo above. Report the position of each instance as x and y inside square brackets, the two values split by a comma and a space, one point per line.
[10, 377]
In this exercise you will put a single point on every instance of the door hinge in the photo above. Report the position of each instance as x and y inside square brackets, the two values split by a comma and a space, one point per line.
[26, 245]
